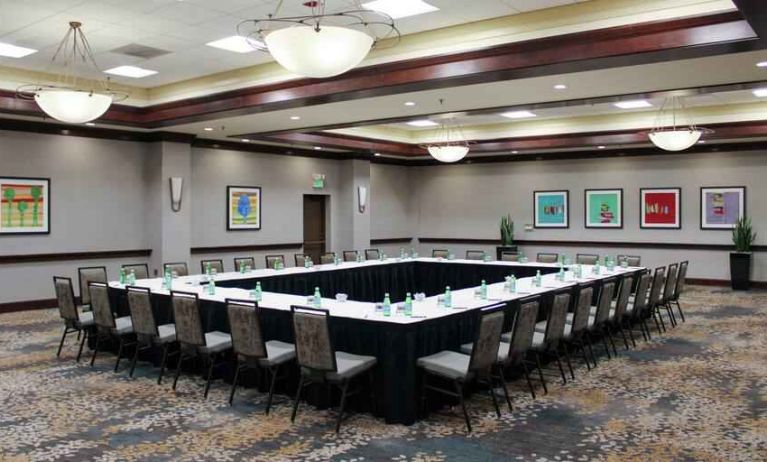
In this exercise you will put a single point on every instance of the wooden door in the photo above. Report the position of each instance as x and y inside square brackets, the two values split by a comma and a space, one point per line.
[314, 226]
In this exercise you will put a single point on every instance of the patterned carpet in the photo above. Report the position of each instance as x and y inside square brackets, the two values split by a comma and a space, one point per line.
[696, 393]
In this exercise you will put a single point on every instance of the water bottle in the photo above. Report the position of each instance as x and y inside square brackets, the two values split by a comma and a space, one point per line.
[597, 269]
[168, 280]
[408, 305]
[122, 276]
[386, 305]
[306, 261]
[538, 278]
[211, 287]
[359, 258]
[132, 278]
[448, 298]
[207, 269]
[507, 283]
[483, 290]
[258, 293]
[317, 297]
[513, 284]
[562, 273]
[242, 268]
[402, 253]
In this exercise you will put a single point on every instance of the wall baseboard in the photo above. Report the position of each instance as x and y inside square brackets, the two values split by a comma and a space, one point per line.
[28, 305]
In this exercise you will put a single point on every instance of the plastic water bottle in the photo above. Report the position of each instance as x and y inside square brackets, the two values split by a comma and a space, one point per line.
[513, 284]
[317, 297]
[207, 269]
[561, 273]
[168, 280]
[483, 290]
[132, 277]
[538, 278]
[448, 298]
[211, 287]
[386, 305]
[597, 268]
[257, 292]
[122, 276]
[402, 253]
[306, 261]
[408, 305]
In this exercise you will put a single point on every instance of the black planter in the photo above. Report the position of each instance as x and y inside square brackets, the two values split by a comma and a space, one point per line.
[504, 248]
[740, 270]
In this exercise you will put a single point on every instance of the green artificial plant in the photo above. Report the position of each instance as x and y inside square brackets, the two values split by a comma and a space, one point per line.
[507, 231]
[743, 235]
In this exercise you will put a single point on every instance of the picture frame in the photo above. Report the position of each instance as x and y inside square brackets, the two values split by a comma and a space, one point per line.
[551, 209]
[721, 206]
[660, 208]
[603, 208]
[25, 205]
[243, 208]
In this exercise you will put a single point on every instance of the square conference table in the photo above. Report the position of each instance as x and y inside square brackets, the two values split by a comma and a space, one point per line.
[357, 326]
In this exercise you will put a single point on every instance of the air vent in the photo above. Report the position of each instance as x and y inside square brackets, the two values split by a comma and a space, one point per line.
[140, 51]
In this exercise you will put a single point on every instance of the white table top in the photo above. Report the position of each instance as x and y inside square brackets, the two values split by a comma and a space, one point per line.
[462, 300]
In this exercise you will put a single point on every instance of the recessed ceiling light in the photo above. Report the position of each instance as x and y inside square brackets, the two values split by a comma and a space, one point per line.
[295, 117]
[518, 114]
[761, 64]
[560, 86]
[422, 123]
[235, 43]
[633, 104]
[208, 129]
[318, 148]
[515, 152]
[245, 140]
[378, 154]
[90, 124]
[131, 71]
[13, 51]
[400, 9]
[600, 147]
[760, 92]
[702, 142]
[410, 103]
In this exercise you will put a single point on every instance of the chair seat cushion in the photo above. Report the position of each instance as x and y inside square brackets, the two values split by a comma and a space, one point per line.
[569, 325]
[541, 326]
[506, 337]
[538, 338]
[123, 326]
[349, 365]
[84, 308]
[277, 353]
[86, 319]
[630, 307]
[503, 350]
[447, 364]
[166, 333]
[216, 342]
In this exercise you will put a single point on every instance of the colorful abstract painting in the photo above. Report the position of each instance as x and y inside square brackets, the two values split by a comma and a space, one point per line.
[604, 208]
[721, 207]
[660, 208]
[551, 209]
[24, 205]
[243, 207]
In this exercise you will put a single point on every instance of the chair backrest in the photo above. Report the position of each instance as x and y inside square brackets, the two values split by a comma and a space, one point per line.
[656, 293]
[311, 330]
[509, 256]
[65, 296]
[239, 262]
[605, 301]
[670, 286]
[681, 279]
[582, 309]
[586, 259]
[631, 260]
[484, 354]
[299, 258]
[102, 309]
[475, 254]
[350, 255]
[141, 314]
[440, 253]
[327, 258]
[245, 326]
[627, 283]
[141, 270]
[179, 268]
[524, 329]
[372, 254]
[86, 275]
[272, 259]
[547, 258]
[217, 265]
[186, 313]
[641, 296]
[555, 324]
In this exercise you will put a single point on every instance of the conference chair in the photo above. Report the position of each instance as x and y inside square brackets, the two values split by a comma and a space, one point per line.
[578, 321]
[656, 298]
[217, 265]
[141, 270]
[372, 254]
[600, 316]
[475, 254]
[240, 262]
[631, 260]
[85, 275]
[179, 268]
[350, 255]
[321, 363]
[107, 326]
[250, 349]
[327, 258]
[680, 283]
[518, 342]
[620, 307]
[509, 256]
[193, 340]
[636, 309]
[547, 258]
[586, 259]
[148, 333]
[299, 258]
[669, 290]
[461, 369]
[440, 253]
[272, 259]
[550, 342]
[75, 320]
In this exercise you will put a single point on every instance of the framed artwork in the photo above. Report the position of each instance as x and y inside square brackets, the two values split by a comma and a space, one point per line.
[551, 209]
[721, 206]
[660, 208]
[25, 205]
[243, 208]
[603, 208]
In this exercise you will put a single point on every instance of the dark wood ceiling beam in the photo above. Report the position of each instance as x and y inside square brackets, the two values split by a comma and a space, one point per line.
[756, 14]
[337, 141]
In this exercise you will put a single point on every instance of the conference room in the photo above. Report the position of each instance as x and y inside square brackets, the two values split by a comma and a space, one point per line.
[347, 230]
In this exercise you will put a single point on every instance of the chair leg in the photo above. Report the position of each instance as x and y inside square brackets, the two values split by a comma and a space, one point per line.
[583, 352]
[273, 373]
[656, 315]
[491, 391]
[61, 343]
[83, 338]
[119, 353]
[527, 377]
[647, 329]
[502, 379]
[459, 392]
[604, 343]
[679, 308]
[164, 362]
[540, 373]
[95, 349]
[609, 332]
[134, 360]
[298, 397]
[567, 358]
[561, 369]
[671, 316]
[234, 385]
[631, 335]
[210, 374]
[181, 358]
[623, 334]
[342, 406]
[591, 353]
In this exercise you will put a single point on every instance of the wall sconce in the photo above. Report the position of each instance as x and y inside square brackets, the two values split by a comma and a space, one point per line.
[362, 198]
[176, 187]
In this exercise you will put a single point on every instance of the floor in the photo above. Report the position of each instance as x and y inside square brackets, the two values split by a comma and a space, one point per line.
[698, 392]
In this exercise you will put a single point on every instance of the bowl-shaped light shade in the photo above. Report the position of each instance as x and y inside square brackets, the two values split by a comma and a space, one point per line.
[675, 140]
[448, 153]
[330, 51]
[73, 106]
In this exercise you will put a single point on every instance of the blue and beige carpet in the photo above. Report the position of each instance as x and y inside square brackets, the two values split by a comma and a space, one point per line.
[698, 392]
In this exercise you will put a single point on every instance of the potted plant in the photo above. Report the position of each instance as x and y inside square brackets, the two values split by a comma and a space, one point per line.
[507, 237]
[743, 236]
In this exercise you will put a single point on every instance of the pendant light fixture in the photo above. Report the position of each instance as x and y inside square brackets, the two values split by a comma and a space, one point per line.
[451, 145]
[71, 99]
[321, 44]
[668, 134]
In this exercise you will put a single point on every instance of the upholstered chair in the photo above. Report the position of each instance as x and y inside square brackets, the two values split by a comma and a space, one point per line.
[547, 258]
[148, 333]
[141, 270]
[350, 255]
[475, 254]
[86, 275]
[586, 259]
[372, 254]
[440, 253]
[75, 320]
[216, 264]
[107, 325]
[179, 268]
[240, 262]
